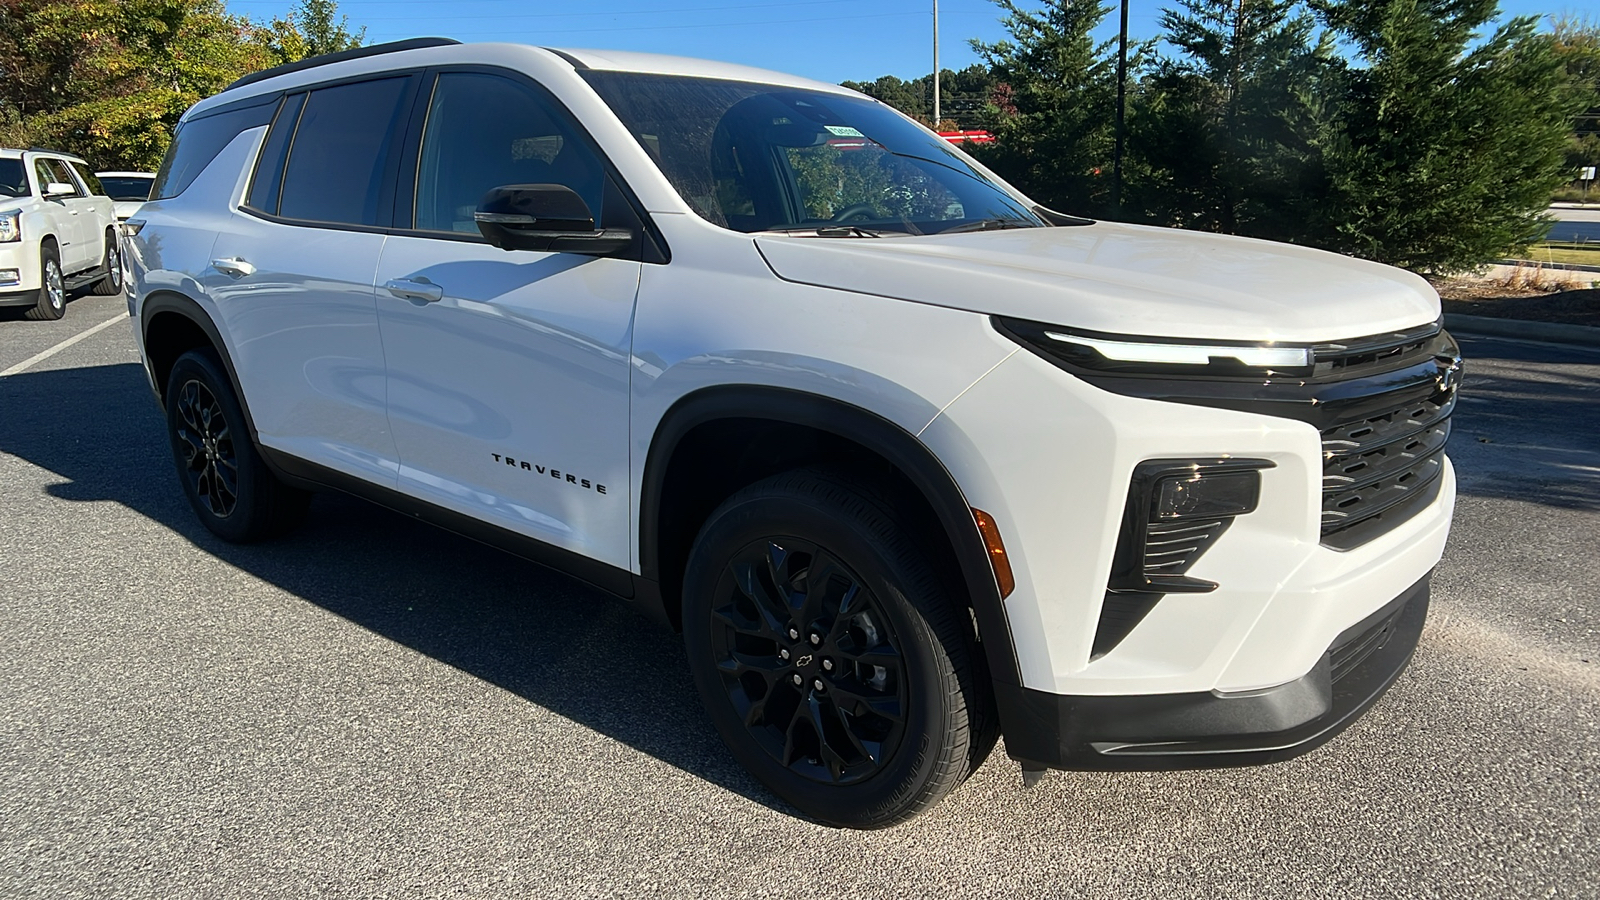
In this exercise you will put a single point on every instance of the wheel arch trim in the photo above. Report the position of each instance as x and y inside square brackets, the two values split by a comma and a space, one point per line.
[899, 447]
[169, 301]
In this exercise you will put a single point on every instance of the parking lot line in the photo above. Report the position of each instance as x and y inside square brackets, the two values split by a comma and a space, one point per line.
[40, 357]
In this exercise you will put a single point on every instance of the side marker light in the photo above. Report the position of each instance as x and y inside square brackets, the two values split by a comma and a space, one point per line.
[997, 552]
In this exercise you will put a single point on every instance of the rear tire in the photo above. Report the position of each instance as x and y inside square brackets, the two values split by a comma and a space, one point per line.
[112, 260]
[833, 661]
[52, 302]
[222, 473]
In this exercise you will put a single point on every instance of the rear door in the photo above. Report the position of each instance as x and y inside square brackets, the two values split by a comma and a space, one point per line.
[97, 215]
[291, 274]
[508, 371]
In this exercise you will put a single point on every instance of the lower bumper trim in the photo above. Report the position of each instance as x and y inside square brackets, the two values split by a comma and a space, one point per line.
[1208, 728]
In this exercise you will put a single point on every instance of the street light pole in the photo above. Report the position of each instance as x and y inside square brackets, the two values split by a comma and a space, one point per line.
[1122, 105]
[936, 110]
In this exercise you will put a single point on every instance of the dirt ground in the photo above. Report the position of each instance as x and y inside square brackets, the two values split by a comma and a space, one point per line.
[1503, 298]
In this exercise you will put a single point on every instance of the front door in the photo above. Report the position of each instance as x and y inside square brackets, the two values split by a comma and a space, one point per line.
[66, 213]
[508, 371]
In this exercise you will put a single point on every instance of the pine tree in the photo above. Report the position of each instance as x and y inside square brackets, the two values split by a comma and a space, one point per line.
[1443, 157]
[1228, 129]
[1055, 136]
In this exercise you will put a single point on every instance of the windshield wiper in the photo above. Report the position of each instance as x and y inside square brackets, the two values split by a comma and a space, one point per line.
[829, 231]
[995, 223]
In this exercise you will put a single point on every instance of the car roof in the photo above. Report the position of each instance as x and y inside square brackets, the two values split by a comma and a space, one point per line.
[425, 52]
[13, 153]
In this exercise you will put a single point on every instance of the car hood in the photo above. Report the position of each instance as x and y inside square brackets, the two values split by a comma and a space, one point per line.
[1122, 279]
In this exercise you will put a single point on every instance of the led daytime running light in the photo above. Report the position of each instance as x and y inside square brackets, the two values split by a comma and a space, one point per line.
[1189, 354]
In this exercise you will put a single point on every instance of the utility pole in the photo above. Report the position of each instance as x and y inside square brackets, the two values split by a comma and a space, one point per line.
[936, 65]
[1122, 105]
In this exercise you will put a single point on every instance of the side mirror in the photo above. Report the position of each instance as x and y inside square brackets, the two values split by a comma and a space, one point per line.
[59, 189]
[548, 217]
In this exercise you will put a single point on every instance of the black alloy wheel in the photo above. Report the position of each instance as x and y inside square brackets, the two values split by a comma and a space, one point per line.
[205, 441]
[809, 660]
[829, 653]
[228, 485]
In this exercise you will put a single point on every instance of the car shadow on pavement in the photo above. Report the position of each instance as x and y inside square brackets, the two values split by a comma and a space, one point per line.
[1534, 436]
[556, 642]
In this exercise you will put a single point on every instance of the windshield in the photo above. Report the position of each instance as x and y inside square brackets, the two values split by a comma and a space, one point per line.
[13, 178]
[128, 187]
[754, 157]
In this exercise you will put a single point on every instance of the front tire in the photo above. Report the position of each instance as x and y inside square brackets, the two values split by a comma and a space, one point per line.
[52, 302]
[834, 664]
[112, 260]
[227, 483]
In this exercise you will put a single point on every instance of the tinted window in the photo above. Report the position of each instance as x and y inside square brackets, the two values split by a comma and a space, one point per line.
[753, 157]
[484, 131]
[198, 142]
[89, 180]
[54, 171]
[336, 166]
[127, 187]
[13, 178]
[268, 181]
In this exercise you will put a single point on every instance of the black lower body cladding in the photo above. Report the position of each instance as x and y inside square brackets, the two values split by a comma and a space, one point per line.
[1207, 729]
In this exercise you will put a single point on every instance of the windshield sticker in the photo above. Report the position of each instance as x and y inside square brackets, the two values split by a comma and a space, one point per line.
[843, 131]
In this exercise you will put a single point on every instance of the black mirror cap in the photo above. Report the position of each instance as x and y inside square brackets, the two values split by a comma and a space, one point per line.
[546, 207]
[545, 217]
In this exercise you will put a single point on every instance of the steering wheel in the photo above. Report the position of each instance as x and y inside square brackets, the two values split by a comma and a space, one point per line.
[855, 210]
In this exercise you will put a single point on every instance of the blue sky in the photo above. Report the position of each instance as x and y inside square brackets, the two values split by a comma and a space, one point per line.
[830, 40]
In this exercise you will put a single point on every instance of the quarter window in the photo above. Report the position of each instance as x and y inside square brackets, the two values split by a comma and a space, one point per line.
[484, 131]
[341, 150]
[198, 142]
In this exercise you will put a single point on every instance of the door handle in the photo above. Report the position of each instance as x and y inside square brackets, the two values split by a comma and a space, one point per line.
[423, 290]
[234, 267]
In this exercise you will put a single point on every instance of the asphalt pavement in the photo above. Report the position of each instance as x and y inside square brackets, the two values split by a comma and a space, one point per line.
[374, 708]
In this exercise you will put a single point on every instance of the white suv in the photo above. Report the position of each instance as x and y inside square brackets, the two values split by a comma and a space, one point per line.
[57, 232]
[911, 461]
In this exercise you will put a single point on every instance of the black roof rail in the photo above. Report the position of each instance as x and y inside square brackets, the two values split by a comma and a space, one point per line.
[342, 56]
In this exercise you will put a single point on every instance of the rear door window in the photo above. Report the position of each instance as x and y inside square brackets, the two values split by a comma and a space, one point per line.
[339, 164]
[89, 180]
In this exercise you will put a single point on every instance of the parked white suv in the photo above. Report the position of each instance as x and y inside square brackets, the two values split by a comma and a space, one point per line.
[57, 232]
[910, 460]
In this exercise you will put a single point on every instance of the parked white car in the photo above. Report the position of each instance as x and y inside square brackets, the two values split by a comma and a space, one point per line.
[58, 232]
[128, 190]
[911, 460]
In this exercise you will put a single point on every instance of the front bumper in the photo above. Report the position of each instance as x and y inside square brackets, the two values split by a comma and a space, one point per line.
[19, 298]
[1210, 728]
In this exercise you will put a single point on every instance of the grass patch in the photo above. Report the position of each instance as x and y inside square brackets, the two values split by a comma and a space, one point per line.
[1567, 253]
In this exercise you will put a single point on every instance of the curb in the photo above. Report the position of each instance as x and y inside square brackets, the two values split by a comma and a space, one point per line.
[1552, 332]
[1548, 266]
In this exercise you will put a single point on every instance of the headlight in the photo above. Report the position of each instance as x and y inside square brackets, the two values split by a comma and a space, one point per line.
[1119, 354]
[10, 225]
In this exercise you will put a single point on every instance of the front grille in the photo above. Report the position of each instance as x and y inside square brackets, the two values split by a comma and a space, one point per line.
[1375, 353]
[1378, 470]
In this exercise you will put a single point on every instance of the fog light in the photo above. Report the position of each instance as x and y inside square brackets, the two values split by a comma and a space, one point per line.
[1203, 494]
[10, 277]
